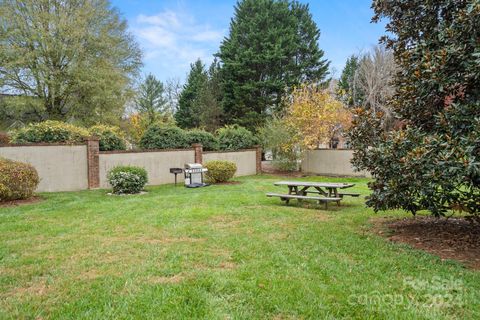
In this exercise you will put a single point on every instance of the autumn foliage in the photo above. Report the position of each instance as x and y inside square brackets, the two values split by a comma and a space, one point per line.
[316, 116]
[313, 117]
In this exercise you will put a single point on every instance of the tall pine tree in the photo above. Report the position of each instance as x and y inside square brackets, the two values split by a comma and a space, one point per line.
[272, 46]
[188, 113]
[150, 99]
[346, 82]
[210, 99]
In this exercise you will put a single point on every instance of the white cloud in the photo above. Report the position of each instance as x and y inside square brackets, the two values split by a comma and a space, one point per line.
[209, 35]
[164, 19]
[172, 40]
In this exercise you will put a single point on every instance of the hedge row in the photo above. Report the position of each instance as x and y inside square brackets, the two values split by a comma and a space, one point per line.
[157, 136]
[111, 138]
[170, 137]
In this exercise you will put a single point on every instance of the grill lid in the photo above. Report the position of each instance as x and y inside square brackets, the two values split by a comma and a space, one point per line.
[193, 166]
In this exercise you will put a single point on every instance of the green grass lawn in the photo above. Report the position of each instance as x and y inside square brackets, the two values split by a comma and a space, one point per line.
[221, 252]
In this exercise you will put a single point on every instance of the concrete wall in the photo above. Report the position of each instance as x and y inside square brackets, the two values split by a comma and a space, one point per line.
[67, 167]
[245, 160]
[330, 162]
[60, 167]
[157, 164]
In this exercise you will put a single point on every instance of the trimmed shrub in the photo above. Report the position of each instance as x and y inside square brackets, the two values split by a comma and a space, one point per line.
[164, 137]
[111, 138]
[206, 139]
[235, 138]
[49, 132]
[220, 171]
[18, 180]
[4, 138]
[127, 179]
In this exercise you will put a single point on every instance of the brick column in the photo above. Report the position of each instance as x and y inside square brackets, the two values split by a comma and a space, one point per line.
[93, 163]
[198, 148]
[259, 159]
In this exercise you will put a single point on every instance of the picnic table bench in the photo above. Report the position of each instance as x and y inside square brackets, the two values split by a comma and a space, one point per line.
[327, 191]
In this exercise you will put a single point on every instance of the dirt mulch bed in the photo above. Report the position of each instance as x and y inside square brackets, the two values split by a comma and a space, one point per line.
[226, 183]
[268, 168]
[15, 203]
[452, 238]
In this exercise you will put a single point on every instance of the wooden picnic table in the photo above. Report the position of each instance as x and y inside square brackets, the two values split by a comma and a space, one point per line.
[327, 191]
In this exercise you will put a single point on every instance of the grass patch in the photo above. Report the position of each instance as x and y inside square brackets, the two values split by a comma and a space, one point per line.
[219, 252]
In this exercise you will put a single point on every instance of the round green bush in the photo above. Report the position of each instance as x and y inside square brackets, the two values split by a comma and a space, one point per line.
[164, 137]
[127, 179]
[111, 138]
[235, 138]
[206, 139]
[18, 180]
[220, 170]
[50, 132]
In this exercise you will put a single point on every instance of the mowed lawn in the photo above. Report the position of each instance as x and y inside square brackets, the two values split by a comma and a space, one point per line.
[221, 252]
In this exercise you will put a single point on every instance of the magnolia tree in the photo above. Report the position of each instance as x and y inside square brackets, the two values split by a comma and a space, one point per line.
[431, 158]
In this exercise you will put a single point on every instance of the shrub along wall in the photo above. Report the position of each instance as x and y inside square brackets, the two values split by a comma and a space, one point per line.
[60, 167]
[248, 161]
[111, 138]
[18, 180]
[156, 162]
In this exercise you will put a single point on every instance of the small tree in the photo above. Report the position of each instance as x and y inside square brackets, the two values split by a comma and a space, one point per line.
[346, 82]
[316, 116]
[150, 100]
[173, 89]
[373, 83]
[281, 139]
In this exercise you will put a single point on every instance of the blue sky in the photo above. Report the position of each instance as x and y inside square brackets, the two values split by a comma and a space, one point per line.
[174, 33]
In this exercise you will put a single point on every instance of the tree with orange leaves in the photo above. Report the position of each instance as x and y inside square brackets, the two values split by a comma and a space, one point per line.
[316, 116]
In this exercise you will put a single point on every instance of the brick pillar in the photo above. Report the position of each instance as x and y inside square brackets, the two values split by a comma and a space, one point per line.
[259, 159]
[198, 152]
[93, 163]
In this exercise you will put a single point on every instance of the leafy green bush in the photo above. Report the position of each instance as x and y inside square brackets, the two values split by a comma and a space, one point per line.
[50, 132]
[220, 171]
[235, 138]
[111, 138]
[164, 137]
[18, 180]
[279, 138]
[127, 179]
[206, 139]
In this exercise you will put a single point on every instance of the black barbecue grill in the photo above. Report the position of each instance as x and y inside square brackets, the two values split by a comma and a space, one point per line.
[176, 171]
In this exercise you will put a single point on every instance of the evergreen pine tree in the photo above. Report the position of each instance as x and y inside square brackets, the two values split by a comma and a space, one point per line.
[188, 113]
[346, 82]
[150, 99]
[209, 100]
[272, 46]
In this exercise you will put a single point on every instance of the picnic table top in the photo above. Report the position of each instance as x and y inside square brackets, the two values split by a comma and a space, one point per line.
[314, 184]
